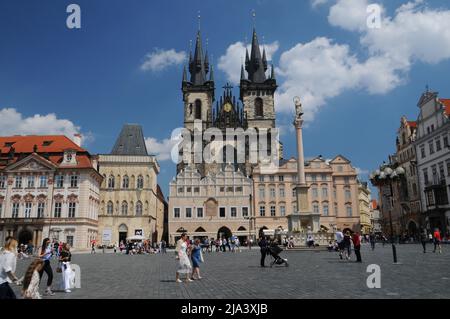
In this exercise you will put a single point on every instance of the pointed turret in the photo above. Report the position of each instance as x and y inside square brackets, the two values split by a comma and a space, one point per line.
[272, 74]
[211, 74]
[264, 59]
[196, 65]
[255, 66]
[242, 73]
[184, 74]
[206, 64]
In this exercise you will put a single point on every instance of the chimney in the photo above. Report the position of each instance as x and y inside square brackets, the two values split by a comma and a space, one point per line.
[77, 139]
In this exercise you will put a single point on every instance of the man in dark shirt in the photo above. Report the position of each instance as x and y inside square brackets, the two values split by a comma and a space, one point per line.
[263, 245]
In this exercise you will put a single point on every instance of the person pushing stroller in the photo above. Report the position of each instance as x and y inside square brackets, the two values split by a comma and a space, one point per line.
[274, 250]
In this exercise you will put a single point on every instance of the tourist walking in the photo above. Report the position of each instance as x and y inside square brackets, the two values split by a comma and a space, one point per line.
[184, 265]
[347, 245]
[423, 240]
[437, 240]
[66, 271]
[224, 244]
[356, 239]
[8, 260]
[46, 255]
[263, 248]
[93, 247]
[30, 289]
[197, 258]
[340, 242]
[372, 240]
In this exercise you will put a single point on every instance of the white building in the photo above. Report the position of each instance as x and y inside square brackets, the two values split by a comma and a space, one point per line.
[49, 187]
[433, 160]
[214, 206]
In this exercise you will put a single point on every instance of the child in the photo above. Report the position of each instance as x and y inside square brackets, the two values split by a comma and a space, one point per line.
[31, 280]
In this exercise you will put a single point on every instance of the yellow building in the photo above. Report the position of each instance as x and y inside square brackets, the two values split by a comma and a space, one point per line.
[364, 208]
[131, 203]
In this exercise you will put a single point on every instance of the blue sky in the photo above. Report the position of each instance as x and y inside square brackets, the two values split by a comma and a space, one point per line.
[92, 77]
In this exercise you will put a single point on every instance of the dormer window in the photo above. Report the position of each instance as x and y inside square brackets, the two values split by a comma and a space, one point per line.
[47, 143]
[70, 157]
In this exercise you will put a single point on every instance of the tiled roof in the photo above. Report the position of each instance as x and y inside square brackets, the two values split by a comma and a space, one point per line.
[412, 123]
[44, 143]
[446, 103]
[50, 147]
[130, 141]
[374, 204]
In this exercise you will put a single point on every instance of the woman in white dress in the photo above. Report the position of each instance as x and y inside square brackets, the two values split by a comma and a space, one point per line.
[184, 263]
[32, 279]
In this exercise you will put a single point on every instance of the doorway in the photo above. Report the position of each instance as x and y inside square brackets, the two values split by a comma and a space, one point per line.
[25, 236]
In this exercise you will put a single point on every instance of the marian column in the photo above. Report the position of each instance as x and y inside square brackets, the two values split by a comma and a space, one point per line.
[307, 219]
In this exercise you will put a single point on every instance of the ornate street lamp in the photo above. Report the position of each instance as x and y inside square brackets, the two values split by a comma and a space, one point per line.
[385, 176]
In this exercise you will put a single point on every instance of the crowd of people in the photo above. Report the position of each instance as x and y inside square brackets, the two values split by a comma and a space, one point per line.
[40, 264]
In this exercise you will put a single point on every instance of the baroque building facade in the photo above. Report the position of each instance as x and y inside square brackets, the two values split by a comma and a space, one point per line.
[433, 160]
[365, 209]
[333, 194]
[131, 201]
[49, 187]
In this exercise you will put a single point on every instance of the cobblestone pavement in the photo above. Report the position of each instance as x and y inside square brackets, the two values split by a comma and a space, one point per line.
[238, 275]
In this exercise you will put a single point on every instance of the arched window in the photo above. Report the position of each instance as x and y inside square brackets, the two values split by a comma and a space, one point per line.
[110, 208]
[111, 182]
[139, 209]
[259, 110]
[125, 182]
[198, 109]
[140, 182]
[124, 208]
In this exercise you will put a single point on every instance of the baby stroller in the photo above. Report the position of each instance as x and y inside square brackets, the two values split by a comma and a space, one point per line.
[274, 251]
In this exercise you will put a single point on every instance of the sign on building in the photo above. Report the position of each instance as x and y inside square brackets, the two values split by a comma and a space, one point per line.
[138, 232]
[107, 235]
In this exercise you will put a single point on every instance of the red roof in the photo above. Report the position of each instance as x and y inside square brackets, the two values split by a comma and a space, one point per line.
[412, 123]
[374, 204]
[44, 143]
[446, 103]
[53, 146]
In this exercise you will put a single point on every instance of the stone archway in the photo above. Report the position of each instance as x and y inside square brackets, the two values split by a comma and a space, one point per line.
[123, 233]
[25, 236]
[413, 230]
[224, 232]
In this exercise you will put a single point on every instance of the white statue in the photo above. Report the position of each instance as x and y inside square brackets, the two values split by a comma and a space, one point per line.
[298, 107]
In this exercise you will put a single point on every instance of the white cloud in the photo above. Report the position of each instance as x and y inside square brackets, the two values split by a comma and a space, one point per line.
[230, 63]
[349, 14]
[316, 3]
[322, 69]
[13, 123]
[159, 59]
[162, 149]
[415, 33]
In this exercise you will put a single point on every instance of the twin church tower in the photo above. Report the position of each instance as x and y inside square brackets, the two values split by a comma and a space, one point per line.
[256, 108]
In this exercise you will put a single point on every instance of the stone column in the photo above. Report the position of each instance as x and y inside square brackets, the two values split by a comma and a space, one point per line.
[301, 187]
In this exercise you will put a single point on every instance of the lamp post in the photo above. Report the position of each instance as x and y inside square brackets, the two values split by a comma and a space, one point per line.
[385, 176]
[249, 230]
